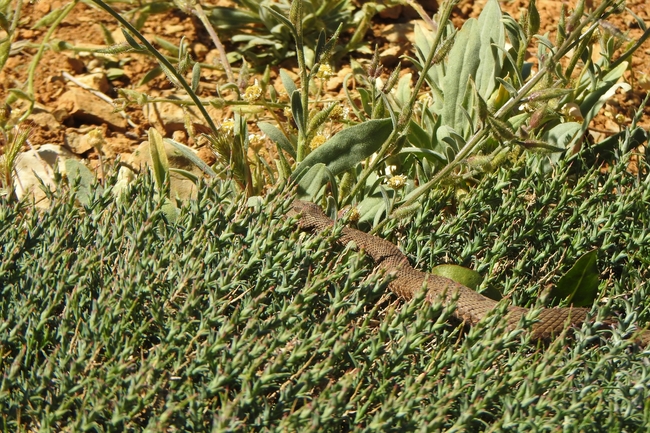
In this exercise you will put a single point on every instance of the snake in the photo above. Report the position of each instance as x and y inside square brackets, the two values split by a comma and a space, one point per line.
[407, 282]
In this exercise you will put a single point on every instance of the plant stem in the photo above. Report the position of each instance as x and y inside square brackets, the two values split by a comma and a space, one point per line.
[200, 13]
[304, 82]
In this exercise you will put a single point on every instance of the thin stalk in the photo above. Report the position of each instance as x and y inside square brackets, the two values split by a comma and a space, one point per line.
[222, 103]
[304, 80]
[163, 60]
[200, 13]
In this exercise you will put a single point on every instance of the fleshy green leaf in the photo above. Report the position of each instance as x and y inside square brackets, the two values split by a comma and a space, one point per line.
[465, 276]
[287, 82]
[580, 284]
[76, 170]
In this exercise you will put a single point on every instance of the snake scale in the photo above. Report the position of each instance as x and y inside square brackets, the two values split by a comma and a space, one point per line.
[406, 281]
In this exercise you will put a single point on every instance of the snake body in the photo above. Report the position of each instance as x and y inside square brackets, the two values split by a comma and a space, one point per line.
[407, 282]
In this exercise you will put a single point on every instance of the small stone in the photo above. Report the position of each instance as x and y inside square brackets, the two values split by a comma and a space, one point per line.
[84, 107]
[212, 57]
[174, 28]
[118, 35]
[390, 56]
[200, 50]
[398, 33]
[45, 120]
[207, 155]
[95, 81]
[180, 136]
[391, 13]
[75, 64]
[42, 8]
[169, 115]
[35, 166]
[77, 142]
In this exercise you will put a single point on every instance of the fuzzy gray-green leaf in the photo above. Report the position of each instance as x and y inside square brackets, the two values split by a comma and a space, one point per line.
[349, 147]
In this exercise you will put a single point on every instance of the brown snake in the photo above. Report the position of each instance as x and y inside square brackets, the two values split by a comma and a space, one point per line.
[406, 281]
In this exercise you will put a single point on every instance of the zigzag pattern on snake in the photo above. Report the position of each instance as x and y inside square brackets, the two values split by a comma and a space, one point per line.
[471, 306]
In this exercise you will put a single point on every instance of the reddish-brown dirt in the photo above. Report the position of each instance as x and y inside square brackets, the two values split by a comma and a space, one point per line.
[82, 28]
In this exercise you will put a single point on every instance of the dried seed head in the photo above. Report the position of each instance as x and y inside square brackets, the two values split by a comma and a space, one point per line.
[375, 69]
[317, 141]
[227, 127]
[397, 181]
[96, 139]
[253, 93]
[392, 80]
[351, 213]
[325, 71]
[339, 112]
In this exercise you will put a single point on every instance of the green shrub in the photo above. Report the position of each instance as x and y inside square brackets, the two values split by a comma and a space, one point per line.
[114, 319]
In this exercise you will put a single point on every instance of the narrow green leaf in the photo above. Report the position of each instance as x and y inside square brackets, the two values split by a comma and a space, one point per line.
[226, 18]
[196, 77]
[329, 46]
[172, 49]
[284, 20]
[320, 44]
[422, 152]
[159, 162]
[49, 19]
[153, 73]
[4, 22]
[189, 154]
[297, 111]
[131, 41]
[370, 208]
[605, 90]
[108, 36]
[278, 137]
[186, 174]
